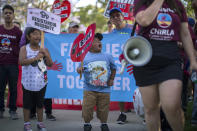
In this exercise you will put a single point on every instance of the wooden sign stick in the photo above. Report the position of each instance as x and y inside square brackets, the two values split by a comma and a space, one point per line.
[42, 39]
[81, 67]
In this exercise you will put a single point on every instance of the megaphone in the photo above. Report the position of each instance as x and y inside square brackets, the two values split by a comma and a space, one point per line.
[137, 51]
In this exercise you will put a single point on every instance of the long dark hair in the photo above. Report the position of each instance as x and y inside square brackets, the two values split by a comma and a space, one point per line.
[172, 4]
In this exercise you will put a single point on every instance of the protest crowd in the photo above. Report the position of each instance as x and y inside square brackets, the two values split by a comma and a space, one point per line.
[160, 85]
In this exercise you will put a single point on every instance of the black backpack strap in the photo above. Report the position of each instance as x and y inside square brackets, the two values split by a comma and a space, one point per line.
[133, 30]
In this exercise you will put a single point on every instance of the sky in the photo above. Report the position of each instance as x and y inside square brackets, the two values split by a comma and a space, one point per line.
[80, 3]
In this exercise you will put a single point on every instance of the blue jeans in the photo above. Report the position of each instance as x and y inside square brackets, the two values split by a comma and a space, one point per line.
[194, 112]
[8, 74]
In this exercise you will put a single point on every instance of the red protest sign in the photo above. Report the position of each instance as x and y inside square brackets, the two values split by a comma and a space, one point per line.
[63, 9]
[125, 6]
[82, 44]
[56, 7]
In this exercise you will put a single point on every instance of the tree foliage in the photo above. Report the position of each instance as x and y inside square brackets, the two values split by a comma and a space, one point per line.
[189, 9]
[92, 14]
[20, 7]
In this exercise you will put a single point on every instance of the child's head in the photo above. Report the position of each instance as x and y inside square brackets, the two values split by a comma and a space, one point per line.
[96, 44]
[8, 7]
[33, 35]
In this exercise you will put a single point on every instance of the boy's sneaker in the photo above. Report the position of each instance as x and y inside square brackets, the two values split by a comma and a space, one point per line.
[27, 127]
[41, 127]
[13, 115]
[1, 114]
[50, 117]
[121, 119]
[87, 127]
[104, 127]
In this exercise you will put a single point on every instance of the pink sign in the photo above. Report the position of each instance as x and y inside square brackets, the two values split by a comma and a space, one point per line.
[82, 44]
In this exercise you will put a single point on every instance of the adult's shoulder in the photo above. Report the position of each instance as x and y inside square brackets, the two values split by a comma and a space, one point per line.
[1, 26]
[139, 7]
[136, 1]
[23, 48]
[183, 11]
[17, 29]
[180, 4]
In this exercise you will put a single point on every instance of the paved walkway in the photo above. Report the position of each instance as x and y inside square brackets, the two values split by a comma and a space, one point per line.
[68, 120]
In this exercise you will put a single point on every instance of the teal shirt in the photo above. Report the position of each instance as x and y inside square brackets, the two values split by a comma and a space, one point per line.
[126, 30]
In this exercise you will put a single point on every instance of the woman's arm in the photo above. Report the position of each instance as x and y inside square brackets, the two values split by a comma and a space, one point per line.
[146, 17]
[187, 43]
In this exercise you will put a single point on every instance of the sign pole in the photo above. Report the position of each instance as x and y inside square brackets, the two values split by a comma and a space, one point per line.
[42, 39]
[81, 67]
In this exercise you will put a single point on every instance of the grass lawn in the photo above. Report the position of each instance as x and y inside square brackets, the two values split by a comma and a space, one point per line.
[188, 117]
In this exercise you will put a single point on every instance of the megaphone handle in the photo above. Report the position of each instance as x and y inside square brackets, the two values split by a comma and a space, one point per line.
[123, 63]
[81, 67]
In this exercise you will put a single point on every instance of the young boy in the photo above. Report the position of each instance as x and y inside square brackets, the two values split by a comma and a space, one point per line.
[34, 80]
[99, 72]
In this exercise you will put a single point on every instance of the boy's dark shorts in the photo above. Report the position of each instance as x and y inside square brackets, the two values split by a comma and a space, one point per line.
[33, 97]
